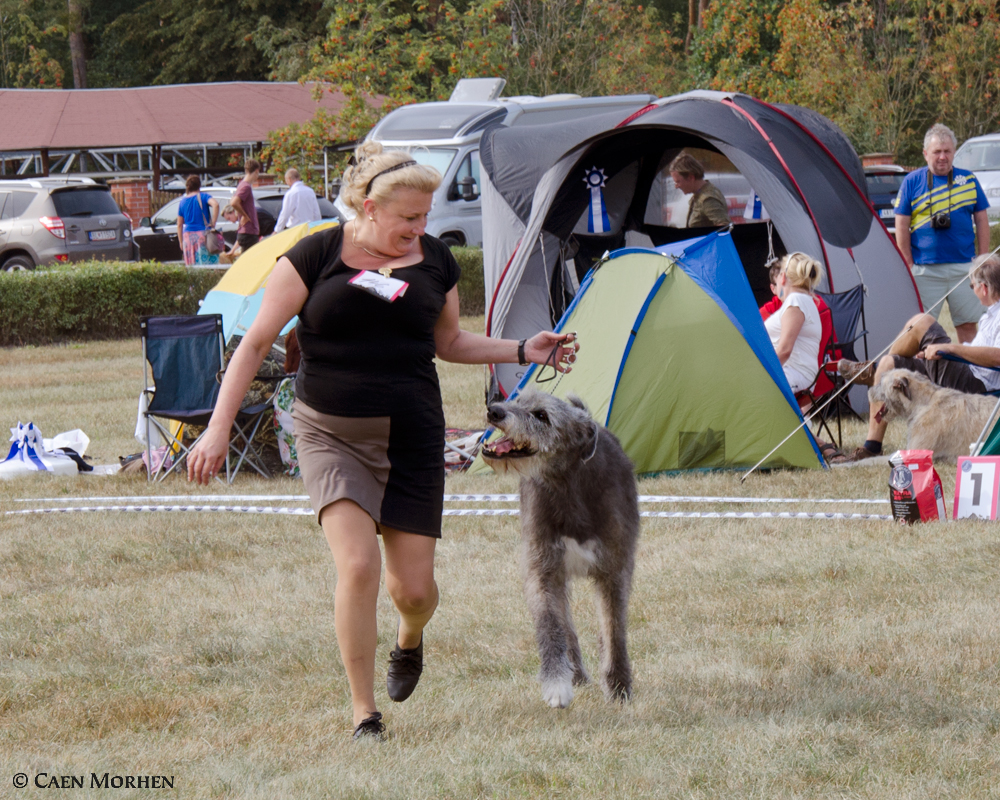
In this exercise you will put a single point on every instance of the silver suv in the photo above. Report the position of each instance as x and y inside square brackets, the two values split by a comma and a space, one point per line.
[56, 220]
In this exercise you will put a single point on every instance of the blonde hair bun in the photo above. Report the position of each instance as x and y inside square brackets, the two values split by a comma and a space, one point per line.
[802, 271]
[371, 159]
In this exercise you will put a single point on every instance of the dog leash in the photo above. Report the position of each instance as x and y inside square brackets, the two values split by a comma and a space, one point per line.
[848, 383]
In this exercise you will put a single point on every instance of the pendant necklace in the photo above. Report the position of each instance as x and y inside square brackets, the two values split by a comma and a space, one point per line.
[385, 271]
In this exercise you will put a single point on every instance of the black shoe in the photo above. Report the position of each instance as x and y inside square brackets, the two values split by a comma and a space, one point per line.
[405, 667]
[371, 728]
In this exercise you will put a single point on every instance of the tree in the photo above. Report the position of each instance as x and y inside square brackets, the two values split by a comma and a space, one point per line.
[77, 44]
[965, 66]
[27, 33]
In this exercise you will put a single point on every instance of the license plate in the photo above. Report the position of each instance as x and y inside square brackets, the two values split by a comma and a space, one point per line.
[887, 213]
[102, 236]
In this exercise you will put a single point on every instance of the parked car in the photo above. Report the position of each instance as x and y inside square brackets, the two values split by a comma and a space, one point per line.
[157, 237]
[57, 220]
[981, 154]
[882, 182]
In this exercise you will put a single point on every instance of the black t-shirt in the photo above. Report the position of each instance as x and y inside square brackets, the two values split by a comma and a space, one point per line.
[363, 356]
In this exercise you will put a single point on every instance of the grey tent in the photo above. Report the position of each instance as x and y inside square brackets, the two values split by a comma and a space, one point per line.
[536, 202]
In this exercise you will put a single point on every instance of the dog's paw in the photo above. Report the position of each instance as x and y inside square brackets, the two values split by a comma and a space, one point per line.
[557, 692]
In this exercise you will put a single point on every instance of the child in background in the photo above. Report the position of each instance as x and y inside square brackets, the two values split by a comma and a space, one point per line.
[774, 303]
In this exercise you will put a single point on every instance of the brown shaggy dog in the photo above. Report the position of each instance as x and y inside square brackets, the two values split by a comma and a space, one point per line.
[943, 420]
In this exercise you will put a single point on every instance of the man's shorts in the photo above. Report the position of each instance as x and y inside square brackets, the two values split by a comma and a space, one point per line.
[950, 374]
[934, 281]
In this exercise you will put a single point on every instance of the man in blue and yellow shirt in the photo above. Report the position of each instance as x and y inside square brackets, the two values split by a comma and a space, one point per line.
[941, 226]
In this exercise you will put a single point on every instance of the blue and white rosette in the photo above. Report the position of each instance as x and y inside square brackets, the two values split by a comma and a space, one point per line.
[597, 217]
[27, 447]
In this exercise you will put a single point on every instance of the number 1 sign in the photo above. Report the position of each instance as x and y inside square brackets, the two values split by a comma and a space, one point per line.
[976, 488]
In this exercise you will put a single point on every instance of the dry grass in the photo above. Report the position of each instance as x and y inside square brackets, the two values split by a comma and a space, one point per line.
[773, 658]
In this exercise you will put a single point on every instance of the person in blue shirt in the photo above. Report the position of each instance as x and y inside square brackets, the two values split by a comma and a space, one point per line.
[941, 226]
[196, 218]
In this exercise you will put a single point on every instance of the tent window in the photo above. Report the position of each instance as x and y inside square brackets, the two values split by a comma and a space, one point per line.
[700, 449]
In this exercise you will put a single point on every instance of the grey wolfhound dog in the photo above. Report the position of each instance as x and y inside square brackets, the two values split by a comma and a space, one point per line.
[944, 420]
[579, 517]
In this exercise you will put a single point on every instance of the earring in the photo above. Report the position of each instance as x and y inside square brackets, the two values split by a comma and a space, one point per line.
[371, 218]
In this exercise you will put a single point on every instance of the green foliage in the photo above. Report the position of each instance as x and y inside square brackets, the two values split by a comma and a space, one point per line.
[27, 32]
[194, 41]
[471, 285]
[884, 71]
[95, 299]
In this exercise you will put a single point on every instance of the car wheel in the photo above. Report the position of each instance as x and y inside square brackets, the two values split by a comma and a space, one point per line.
[18, 264]
[453, 240]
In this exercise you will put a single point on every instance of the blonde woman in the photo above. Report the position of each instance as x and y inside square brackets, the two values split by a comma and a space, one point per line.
[795, 329]
[369, 424]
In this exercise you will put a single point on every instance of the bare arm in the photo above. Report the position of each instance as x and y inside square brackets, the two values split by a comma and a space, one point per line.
[982, 223]
[237, 204]
[982, 356]
[283, 299]
[213, 206]
[791, 323]
[462, 347]
[903, 238]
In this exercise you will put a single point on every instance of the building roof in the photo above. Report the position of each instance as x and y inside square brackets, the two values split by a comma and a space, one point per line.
[220, 113]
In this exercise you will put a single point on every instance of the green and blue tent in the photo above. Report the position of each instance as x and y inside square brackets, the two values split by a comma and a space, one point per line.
[675, 361]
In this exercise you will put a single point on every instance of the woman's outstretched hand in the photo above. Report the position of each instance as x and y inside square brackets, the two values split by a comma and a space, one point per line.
[538, 349]
[208, 456]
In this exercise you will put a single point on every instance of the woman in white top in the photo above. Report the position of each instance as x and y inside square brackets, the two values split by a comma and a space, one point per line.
[795, 328]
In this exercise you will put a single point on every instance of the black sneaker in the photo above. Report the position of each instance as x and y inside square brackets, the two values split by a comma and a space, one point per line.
[405, 667]
[371, 728]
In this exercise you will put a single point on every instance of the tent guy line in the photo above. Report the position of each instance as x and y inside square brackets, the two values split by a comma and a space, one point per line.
[448, 498]
[456, 512]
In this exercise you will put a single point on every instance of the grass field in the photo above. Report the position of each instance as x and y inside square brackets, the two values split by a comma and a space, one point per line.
[773, 658]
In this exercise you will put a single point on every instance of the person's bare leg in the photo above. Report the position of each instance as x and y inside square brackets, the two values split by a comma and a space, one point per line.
[908, 343]
[966, 332]
[354, 543]
[876, 429]
[409, 579]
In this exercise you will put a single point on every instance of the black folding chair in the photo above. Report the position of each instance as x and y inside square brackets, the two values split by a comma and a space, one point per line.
[847, 310]
[184, 355]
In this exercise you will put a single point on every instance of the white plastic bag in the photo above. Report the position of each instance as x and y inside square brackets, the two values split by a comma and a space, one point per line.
[28, 454]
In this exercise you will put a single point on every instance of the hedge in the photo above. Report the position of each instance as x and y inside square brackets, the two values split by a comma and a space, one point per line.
[95, 299]
[471, 286]
[104, 299]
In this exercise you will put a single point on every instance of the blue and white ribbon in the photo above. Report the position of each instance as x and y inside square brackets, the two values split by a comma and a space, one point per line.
[27, 443]
[597, 217]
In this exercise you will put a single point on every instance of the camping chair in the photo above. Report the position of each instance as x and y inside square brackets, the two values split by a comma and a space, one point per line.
[822, 384]
[847, 309]
[186, 355]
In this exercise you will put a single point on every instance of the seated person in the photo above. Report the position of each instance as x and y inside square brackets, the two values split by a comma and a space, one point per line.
[774, 303]
[921, 344]
[230, 214]
[708, 207]
[795, 329]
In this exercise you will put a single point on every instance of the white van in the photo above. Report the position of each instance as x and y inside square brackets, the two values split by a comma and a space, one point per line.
[446, 135]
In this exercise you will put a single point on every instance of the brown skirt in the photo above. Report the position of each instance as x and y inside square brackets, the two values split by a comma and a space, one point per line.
[393, 466]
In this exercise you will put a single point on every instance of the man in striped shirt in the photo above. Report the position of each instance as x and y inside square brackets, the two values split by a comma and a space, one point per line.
[941, 225]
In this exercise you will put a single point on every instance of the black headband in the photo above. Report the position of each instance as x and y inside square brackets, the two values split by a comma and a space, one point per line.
[405, 164]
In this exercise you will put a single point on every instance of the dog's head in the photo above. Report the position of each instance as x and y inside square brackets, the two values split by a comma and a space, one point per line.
[896, 391]
[539, 428]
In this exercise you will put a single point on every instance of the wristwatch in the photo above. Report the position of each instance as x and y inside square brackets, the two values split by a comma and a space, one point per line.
[520, 353]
